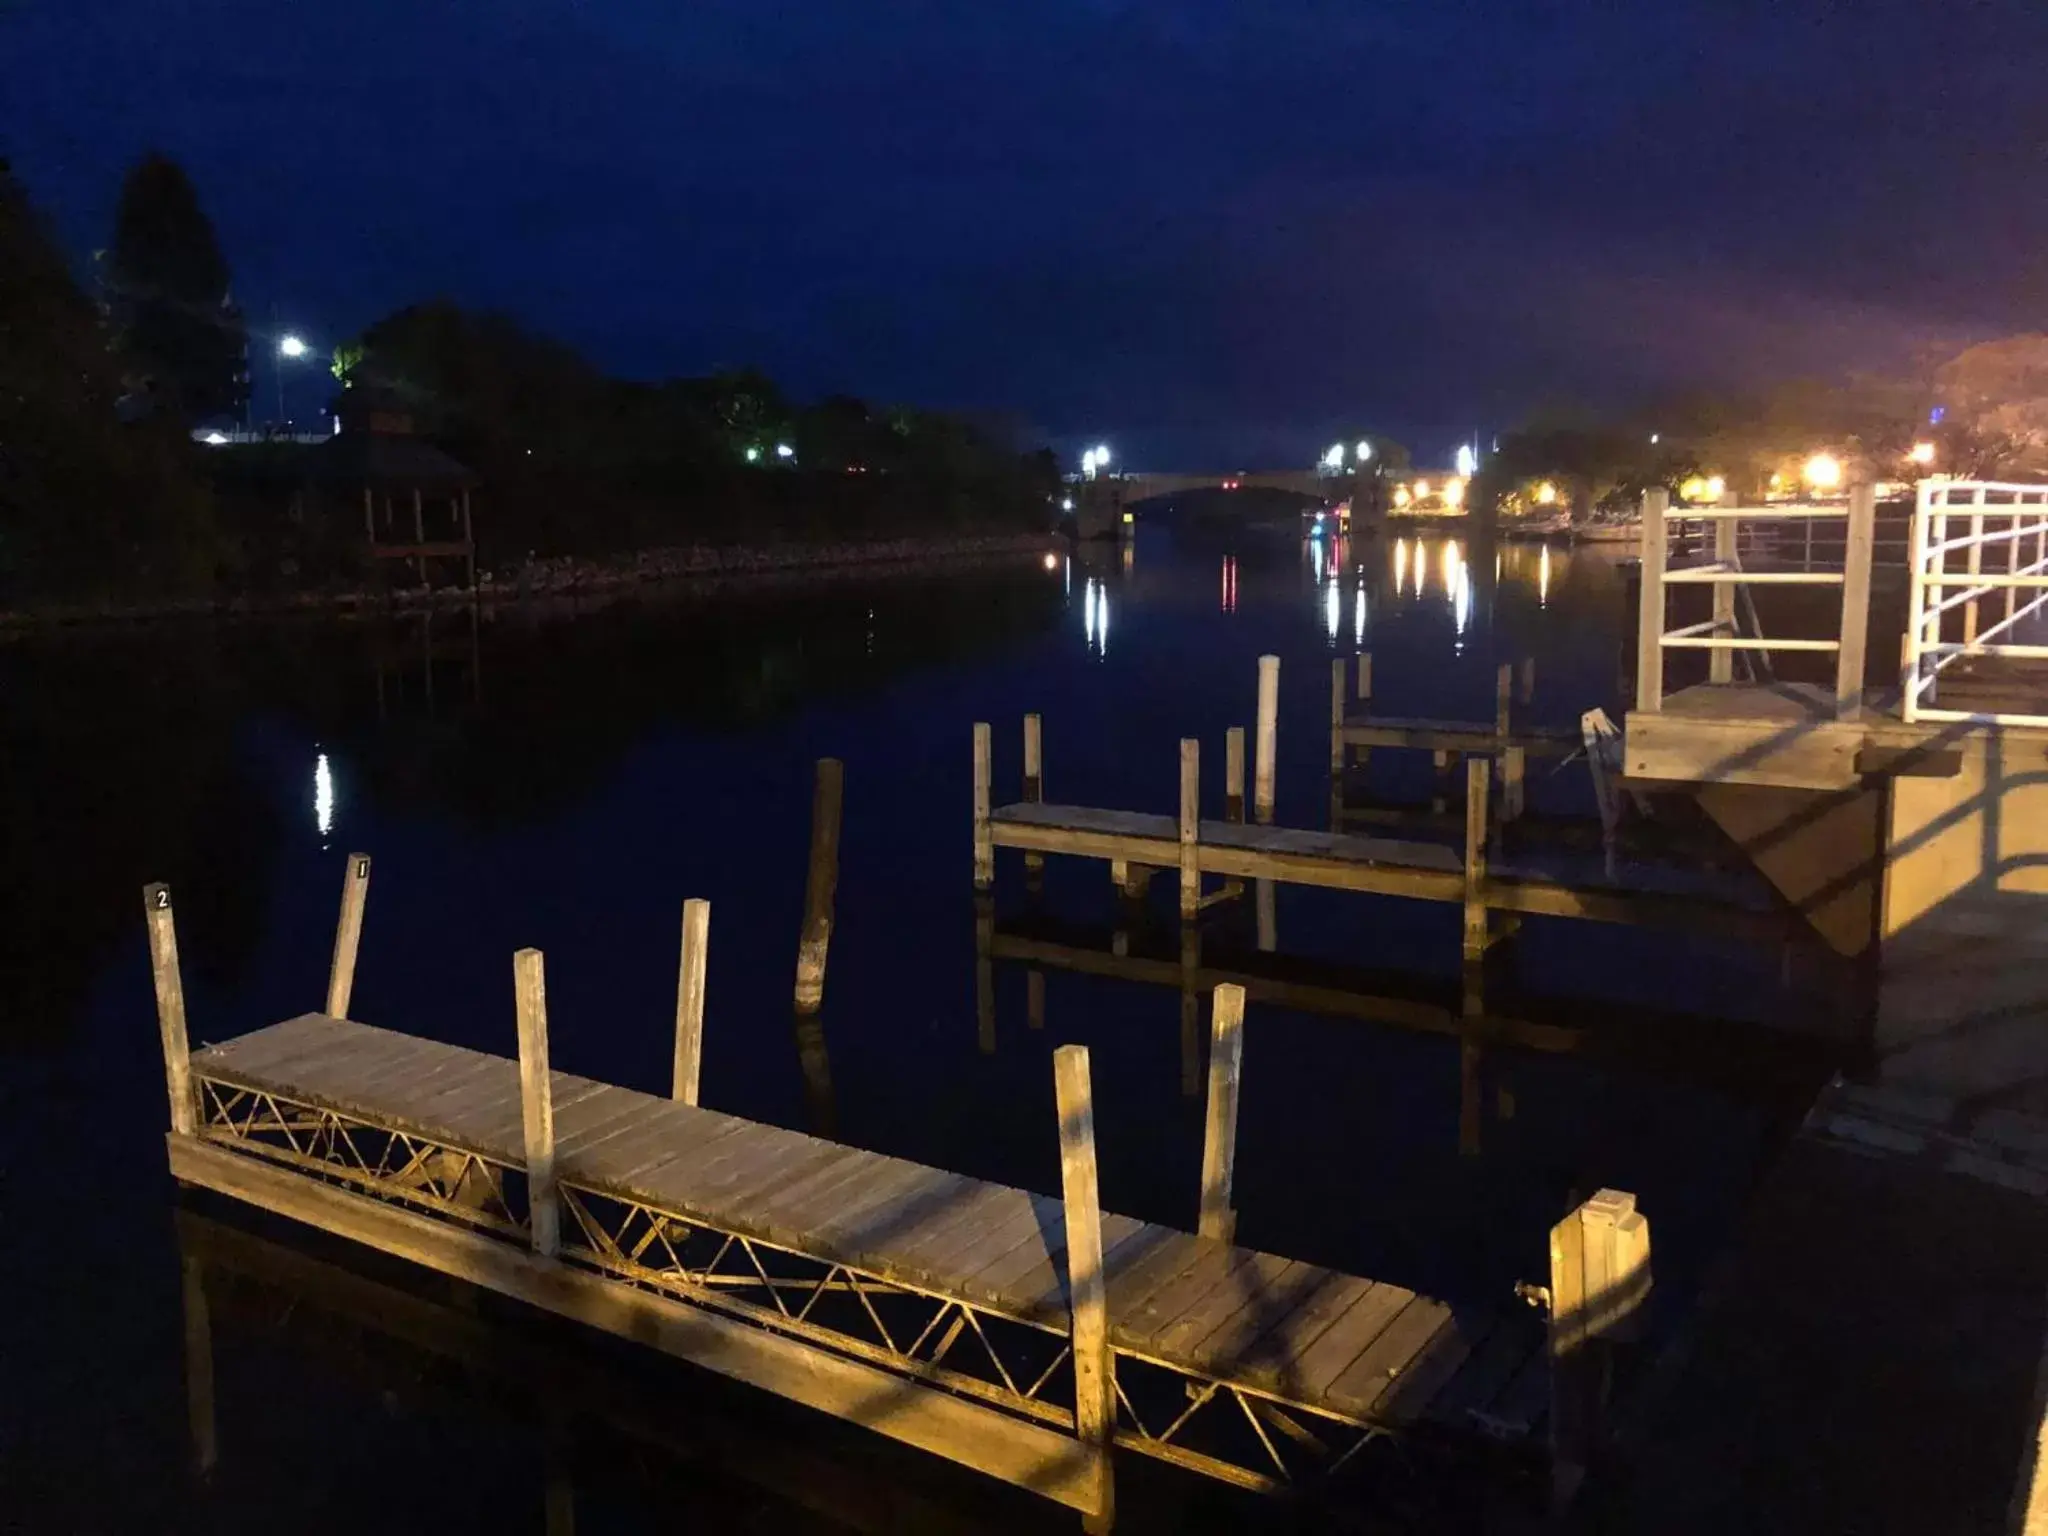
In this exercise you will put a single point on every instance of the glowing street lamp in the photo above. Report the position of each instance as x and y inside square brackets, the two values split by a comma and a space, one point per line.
[1102, 456]
[1546, 494]
[1923, 453]
[1364, 450]
[288, 346]
[1468, 461]
[1334, 459]
[1823, 472]
[784, 451]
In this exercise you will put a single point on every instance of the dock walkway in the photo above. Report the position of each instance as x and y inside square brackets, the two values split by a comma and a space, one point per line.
[1328, 1342]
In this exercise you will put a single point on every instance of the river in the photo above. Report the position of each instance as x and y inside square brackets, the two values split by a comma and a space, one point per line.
[565, 779]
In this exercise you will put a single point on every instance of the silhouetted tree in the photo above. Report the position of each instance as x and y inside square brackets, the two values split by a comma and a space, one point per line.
[89, 507]
[167, 290]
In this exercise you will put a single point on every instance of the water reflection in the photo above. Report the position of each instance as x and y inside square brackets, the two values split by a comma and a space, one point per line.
[1095, 616]
[1333, 607]
[323, 798]
[1230, 583]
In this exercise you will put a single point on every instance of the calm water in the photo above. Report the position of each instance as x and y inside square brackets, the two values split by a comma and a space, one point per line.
[565, 781]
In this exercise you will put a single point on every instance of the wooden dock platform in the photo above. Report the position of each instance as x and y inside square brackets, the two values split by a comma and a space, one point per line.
[1012, 1332]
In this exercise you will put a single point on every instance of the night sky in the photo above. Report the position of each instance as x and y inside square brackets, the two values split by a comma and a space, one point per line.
[1214, 233]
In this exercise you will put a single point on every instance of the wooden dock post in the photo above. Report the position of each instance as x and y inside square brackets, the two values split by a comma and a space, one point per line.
[689, 1060]
[1267, 913]
[1721, 663]
[821, 883]
[1034, 793]
[984, 845]
[1856, 560]
[1267, 741]
[1218, 1221]
[1094, 1364]
[348, 934]
[1338, 691]
[1233, 774]
[1365, 677]
[1525, 693]
[985, 973]
[1514, 768]
[170, 1006]
[537, 1101]
[1190, 826]
[1477, 773]
[1599, 1281]
[1503, 700]
[1650, 604]
[1190, 1010]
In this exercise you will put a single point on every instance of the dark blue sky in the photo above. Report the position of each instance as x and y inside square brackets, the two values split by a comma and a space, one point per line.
[1213, 233]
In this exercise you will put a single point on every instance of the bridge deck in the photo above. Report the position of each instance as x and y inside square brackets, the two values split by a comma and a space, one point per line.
[1355, 1349]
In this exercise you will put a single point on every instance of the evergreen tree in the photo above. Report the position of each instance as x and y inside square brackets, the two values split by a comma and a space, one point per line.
[167, 290]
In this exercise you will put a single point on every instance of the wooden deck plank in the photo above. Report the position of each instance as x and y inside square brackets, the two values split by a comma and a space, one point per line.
[1271, 1360]
[836, 1199]
[1358, 1387]
[1324, 1359]
[288, 1064]
[265, 1047]
[584, 1126]
[1038, 1288]
[697, 1186]
[1218, 1273]
[859, 1235]
[974, 1210]
[1485, 1374]
[1255, 1293]
[1412, 1394]
[626, 1164]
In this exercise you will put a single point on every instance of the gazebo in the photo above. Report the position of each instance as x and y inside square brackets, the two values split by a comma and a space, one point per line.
[391, 467]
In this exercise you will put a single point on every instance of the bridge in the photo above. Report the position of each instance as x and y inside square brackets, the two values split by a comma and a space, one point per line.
[1101, 500]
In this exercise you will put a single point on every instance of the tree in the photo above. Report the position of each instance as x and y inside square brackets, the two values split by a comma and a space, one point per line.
[1995, 408]
[167, 292]
[88, 505]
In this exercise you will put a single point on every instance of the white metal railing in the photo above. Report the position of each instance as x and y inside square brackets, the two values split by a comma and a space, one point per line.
[1725, 573]
[2008, 523]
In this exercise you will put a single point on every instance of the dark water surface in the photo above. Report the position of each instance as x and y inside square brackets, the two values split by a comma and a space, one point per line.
[564, 781]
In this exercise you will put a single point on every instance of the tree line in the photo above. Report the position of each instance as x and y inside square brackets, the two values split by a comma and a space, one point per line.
[105, 495]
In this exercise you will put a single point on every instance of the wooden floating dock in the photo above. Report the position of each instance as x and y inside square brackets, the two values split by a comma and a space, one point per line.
[1354, 726]
[1137, 844]
[1015, 1333]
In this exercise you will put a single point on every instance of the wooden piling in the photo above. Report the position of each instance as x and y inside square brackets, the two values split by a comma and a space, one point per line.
[689, 1059]
[1599, 1283]
[1263, 903]
[1526, 692]
[170, 1006]
[1477, 773]
[537, 1102]
[821, 884]
[1094, 1365]
[1514, 768]
[1338, 691]
[1217, 1220]
[1856, 561]
[1190, 826]
[1233, 774]
[1034, 791]
[1266, 743]
[984, 845]
[1503, 700]
[1190, 1010]
[1721, 663]
[1365, 677]
[1650, 604]
[348, 934]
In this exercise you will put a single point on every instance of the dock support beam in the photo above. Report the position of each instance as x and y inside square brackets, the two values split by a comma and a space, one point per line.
[537, 1101]
[1217, 1220]
[821, 883]
[1477, 773]
[1267, 741]
[984, 841]
[170, 1006]
[689, 1062]
[1190, 826]
[1599, 1281]
[348, 934]
[1094, 1365]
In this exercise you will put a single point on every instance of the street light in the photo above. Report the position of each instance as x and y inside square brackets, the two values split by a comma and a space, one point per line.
[1823, 471]
[1923, 453]
[1334, 459]
[1364, 450]
[1468, 461]
[288, 346]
